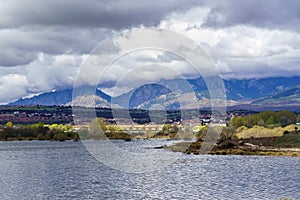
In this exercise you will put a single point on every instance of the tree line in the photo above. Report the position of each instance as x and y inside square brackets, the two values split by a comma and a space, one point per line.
[266, 119]
[98, 129]
[38, 131]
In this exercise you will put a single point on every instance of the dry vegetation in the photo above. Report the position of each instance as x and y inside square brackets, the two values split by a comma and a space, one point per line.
[260, 131]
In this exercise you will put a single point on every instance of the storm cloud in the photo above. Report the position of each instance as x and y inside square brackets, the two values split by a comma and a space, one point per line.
[272, 14]
[88, 13]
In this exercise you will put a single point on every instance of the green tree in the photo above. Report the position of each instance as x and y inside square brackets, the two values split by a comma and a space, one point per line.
[261, 122]
[227, 133]
[265, 115]
[200, 135]
[286, 117]
[270, 120]
[9, 124]
[253, 120]
[97, 129]
[238, 122]
[166, 128]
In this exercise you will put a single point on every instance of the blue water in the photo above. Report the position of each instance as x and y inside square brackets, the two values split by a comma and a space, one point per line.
[66, 170]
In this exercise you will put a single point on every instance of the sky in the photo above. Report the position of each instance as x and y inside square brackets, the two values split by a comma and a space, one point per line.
[43, 44]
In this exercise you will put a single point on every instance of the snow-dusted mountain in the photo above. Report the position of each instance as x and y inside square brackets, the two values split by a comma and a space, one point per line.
[258, 91]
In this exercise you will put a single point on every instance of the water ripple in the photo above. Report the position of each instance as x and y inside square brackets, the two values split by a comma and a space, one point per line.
[55, 170]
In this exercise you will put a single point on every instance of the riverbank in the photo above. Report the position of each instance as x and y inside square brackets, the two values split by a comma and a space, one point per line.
[286, 145]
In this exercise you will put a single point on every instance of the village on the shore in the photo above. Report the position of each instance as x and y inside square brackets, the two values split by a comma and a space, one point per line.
[64, 115]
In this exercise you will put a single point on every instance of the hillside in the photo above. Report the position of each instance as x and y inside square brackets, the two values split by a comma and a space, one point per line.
[64, 97]
[236, 91]
[289, 96]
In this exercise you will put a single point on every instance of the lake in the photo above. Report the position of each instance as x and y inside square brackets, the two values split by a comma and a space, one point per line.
[67, 170]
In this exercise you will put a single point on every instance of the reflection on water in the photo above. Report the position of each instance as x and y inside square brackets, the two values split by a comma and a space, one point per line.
[54, 170]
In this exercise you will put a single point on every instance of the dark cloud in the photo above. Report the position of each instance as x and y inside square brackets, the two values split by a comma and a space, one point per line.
[271, 14]
[22, 46]
[71, 26]
[15, 58]
[88, 13]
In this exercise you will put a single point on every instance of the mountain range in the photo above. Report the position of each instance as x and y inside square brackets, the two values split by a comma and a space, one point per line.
[289, 96]
[264, 91]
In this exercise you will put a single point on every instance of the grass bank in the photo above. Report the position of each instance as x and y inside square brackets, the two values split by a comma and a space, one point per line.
[284, 145]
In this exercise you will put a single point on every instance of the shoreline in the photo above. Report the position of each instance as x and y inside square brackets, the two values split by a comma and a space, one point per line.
[236, 147]
[250, 146]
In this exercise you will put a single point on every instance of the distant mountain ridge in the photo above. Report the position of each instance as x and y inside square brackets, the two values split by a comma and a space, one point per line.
[236, 90]
[63, 97]
[257, 88]
[288, 96]
[145, 96]
[48, 98]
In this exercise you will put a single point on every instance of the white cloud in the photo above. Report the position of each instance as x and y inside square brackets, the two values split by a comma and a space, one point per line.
[243, 51]
[12, 86]
[46, 73]
[132, 70]
[141, 56]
